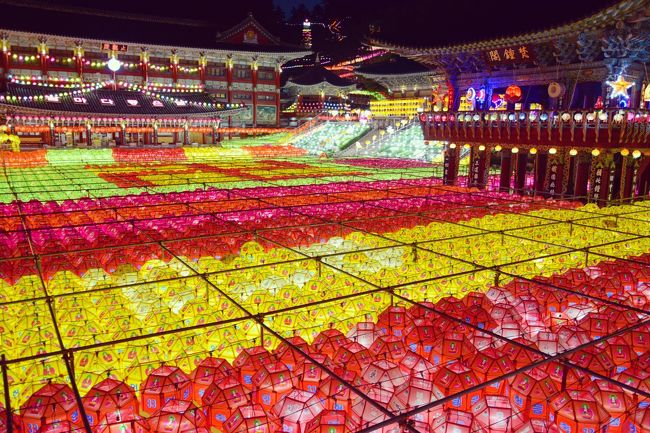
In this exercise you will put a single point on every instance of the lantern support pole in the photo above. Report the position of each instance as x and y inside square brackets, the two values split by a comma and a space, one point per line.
[7, 394]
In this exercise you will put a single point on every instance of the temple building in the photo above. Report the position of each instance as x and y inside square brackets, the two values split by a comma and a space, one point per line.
[558, 112]
[58, 90]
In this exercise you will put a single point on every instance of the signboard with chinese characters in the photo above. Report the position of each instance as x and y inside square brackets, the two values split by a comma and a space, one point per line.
[516, 54]
[108, 46]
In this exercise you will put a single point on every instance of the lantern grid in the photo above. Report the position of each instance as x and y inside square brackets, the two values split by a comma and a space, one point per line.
[60, 358]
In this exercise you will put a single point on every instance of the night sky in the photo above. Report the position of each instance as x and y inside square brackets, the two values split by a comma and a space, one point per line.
[409, 22]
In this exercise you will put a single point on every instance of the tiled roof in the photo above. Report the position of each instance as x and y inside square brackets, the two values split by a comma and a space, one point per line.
[317, 74]
[110, 102]
[393, 65]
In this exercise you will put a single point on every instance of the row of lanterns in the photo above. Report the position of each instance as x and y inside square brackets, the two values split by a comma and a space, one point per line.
[552, 151]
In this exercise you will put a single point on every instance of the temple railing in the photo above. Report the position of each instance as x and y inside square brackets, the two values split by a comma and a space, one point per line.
[577, 128]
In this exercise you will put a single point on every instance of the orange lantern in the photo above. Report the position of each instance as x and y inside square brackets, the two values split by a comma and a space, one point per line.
[575, 410]
[530, 392]
[513, 94]
[209, 371]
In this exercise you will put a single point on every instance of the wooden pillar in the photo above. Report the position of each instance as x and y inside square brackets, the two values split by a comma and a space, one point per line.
[506, 171]
[600, 178]
[583, 162]
[79, 60]
[278, 71]
[450, 166]
[229, 66]
[541, 162]
[478, 166]
[629, 168]
[144, 65]
[520, 172]
[555, 175]
[173, 65]
[5, 59]
[254, 82]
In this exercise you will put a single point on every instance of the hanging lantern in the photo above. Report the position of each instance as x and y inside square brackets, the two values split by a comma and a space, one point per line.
[513, 94]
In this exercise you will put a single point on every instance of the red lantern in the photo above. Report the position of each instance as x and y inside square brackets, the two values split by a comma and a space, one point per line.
[53, 403]
[578, 410]
[178, 416]
[209, 371]
[616, 402]
[353, 356]
[108, 396]
[271, 382]
[249, 361]
[530, 392]
[250, 419]
[222, 398]
[513, 94]
[163, 384]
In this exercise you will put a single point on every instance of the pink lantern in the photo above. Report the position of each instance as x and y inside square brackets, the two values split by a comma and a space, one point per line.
[455, 421]
[495, 414]
[331, 421]
[296, 409]
[364, 333]
[384, 374]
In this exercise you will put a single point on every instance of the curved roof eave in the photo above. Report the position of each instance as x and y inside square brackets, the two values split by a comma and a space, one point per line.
[597, 20]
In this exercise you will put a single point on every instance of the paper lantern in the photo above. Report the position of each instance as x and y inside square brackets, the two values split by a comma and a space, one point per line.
[249, 361]
[164, 384]
[250, 419]
[311, 374]
[328, 342]
[388, 347]
[575, 410]
[296, 409]
[221, 398]
[393, 320]
[331, 421]
[489, 364]
[178, 416]
[353, 356]
[455, 421]
[495, 414]
[287, 354]
[385, 374]
[453, 378]
[337, 395]
[209, 371]
[50, 404]
[364, 333]
[420, 336]
[136, 425]
[530, 392]
[109, 396]
[513, 94]
[271, 382]
[616, 402]
[415, 393]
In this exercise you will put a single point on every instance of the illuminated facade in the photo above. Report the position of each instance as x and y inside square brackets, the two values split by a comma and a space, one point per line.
[56, 83]
[557, 113]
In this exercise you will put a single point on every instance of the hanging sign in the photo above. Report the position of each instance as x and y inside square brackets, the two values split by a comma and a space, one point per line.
[510, 55]
[109, 46]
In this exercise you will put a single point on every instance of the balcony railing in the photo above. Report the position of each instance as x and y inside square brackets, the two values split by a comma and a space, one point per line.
[602, 128]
